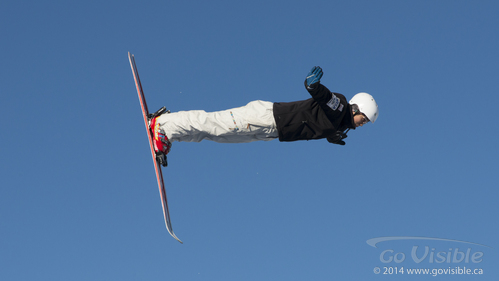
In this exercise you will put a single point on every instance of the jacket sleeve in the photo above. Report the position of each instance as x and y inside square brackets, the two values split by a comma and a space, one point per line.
[334, 105]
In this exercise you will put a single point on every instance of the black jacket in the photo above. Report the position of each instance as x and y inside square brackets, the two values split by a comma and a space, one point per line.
[325, 115]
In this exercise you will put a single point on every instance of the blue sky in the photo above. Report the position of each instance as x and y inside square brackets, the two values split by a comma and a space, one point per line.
[78, 197]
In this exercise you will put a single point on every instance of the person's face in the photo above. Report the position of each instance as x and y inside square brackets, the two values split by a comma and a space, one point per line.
[359, 120]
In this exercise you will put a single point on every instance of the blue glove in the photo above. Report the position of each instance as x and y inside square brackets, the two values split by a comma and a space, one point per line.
[314, 76]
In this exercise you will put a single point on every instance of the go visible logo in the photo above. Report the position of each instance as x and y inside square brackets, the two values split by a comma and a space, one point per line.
[430, 254]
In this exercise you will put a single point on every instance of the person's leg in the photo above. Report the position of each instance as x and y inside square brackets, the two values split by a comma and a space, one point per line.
[252, 122]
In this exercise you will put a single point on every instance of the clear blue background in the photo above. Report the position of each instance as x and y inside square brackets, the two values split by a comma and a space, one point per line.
[78, 195]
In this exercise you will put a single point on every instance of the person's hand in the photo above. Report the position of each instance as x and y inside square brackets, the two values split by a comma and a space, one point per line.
[338, 138]
[314, 76]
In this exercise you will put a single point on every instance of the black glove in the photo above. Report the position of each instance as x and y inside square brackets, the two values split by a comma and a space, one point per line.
[338, 138]
[340, 142]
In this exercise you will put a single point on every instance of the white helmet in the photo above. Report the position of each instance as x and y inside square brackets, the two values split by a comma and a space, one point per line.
[367, 105]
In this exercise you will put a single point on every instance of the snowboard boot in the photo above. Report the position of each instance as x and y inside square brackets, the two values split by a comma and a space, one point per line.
[160, 141]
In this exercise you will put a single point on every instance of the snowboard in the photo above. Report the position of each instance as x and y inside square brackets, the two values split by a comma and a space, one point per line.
[157, 165]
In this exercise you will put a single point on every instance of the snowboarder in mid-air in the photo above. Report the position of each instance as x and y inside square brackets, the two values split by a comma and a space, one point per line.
[325, 115]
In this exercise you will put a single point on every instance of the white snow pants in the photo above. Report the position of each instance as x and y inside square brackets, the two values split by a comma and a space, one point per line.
[252, 122]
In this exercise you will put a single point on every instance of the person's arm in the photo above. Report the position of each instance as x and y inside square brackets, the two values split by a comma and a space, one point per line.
[333, 104]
